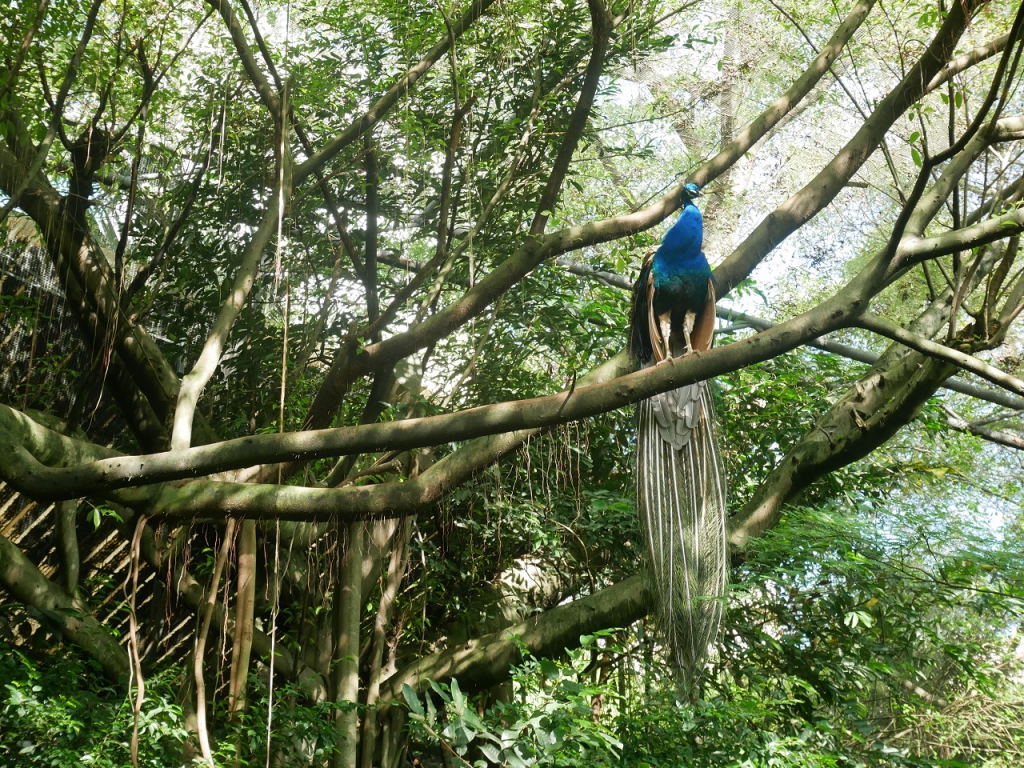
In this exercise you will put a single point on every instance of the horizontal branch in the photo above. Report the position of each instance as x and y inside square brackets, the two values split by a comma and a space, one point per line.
[998, 437]
[1009, 129]
[102, 476]
[998, 397]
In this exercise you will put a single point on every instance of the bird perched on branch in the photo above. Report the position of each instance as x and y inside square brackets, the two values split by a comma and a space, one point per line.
[680, 477]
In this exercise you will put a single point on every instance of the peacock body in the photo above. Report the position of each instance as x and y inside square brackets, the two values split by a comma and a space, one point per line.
[681, 487]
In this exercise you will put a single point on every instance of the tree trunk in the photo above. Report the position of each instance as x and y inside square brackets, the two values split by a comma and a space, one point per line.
[347, 605]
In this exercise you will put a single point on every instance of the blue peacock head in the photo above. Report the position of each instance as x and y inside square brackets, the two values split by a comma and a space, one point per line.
[691, 190]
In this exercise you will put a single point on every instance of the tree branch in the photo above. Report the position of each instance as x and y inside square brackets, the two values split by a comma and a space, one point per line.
[85, 275]
[928, 347]
[26, 473]
[209, 359]
[916, 250]
[967, 60]
[821, 190]
[601, 25]
[266, 92]
[20, 577]
[999, 397]
[998, 437]
[384, 104]
[485, 661]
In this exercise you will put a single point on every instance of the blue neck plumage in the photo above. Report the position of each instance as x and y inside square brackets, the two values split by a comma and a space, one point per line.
[680, 249]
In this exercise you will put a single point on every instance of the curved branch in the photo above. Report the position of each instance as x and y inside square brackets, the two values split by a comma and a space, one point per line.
[928, 347]
[218, 499]
[967, 60]
[487, 660]
[266, 92]
[999, 228]
[85, 275]
[20, 577]
[209, 359]
[999, 397]
[823, 188]
[1005, 439]
[1009, 129]
[602, 29]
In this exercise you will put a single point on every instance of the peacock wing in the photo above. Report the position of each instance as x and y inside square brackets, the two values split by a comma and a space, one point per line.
[704, 327]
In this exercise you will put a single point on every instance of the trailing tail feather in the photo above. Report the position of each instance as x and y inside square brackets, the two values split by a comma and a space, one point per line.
[681, 498]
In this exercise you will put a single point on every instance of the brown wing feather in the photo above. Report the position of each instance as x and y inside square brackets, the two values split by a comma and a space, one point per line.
[657, 343]
[704, 328]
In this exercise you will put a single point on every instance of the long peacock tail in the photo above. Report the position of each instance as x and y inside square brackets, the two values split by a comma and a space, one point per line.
[681, 497]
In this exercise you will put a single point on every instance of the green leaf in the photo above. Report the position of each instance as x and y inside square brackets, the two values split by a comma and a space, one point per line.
[412, 699]
[492, 753]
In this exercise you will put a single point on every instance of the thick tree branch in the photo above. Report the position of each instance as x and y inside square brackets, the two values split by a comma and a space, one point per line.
[1006, 439]
[821, 190]
[965, 61]
[485, 661]
[999, 397]
[1009, 129]
[601, 24]
[348, 604]
[881, 403]
[209, 359]
[245, 600]
[983, 233]
[266, 92]
[197, 499]
[884, 400]
[20, 577]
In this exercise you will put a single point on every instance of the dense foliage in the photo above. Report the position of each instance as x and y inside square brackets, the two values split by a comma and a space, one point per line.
[397, 253]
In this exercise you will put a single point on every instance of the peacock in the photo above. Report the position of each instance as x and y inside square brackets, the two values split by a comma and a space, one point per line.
[680, 476]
